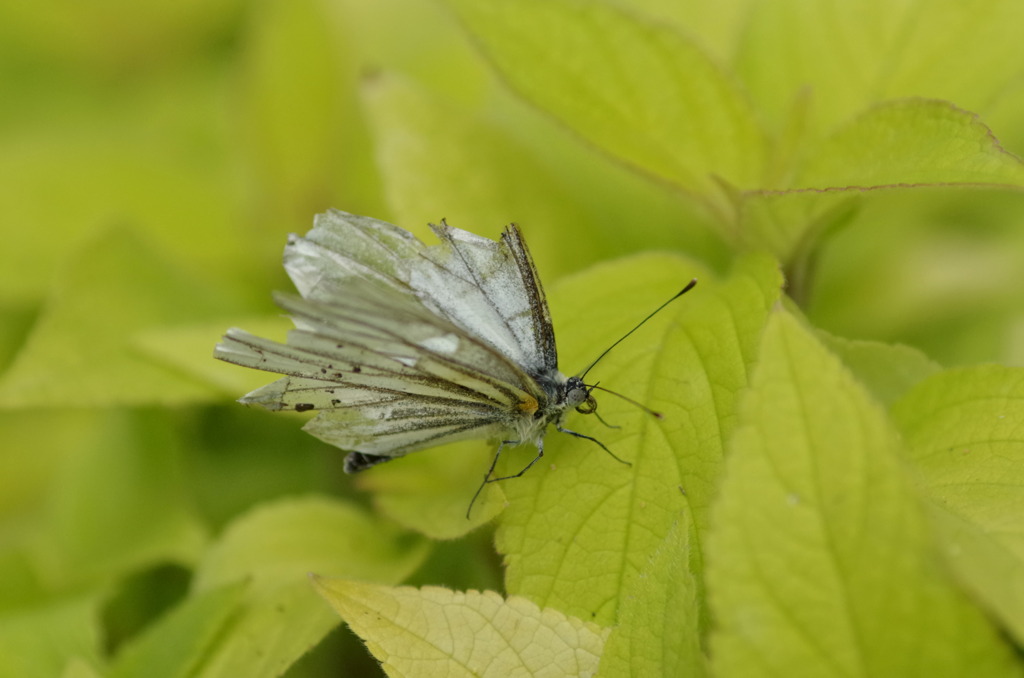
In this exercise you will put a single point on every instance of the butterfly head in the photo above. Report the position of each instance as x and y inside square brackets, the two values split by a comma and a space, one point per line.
[576, 394]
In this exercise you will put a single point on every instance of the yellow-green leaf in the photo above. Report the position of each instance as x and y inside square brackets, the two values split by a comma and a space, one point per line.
[965, 436]
[886, 370]
[438, 632]
[119, 503]
[659, 629]
[274, 548]
[895, 145]
[910, 142]
[174, 645]
[579, 524]
[80, 351]
[41, 641]
[641, 91]
[302, 134]
[440, 162]
[430, 491]
[846, 55]
[148, 156]
[280, 543]
[821, 560]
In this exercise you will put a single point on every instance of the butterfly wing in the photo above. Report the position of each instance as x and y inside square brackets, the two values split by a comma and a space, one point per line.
[489, 289]
[401, 346]
[386, 375]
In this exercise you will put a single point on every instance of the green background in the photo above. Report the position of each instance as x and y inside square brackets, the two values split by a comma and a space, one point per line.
[154, 157]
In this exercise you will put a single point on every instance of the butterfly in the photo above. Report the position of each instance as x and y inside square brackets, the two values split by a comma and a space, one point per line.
[400, 346]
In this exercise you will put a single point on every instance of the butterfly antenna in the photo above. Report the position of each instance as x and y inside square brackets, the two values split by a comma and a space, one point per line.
[582, 374]
[653, 413]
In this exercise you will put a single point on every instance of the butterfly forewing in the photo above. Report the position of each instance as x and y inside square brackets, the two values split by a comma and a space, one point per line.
[343, 247]
[539, 322]
[489, 289]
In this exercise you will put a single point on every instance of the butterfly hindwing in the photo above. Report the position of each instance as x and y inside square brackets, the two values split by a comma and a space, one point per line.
[387, 377]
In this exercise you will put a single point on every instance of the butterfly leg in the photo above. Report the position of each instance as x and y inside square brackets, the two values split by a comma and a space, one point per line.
[595, 440]
[540, 453]
[487, 476]
[601, 419]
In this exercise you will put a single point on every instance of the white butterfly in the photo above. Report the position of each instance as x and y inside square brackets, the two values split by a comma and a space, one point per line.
[400, 346]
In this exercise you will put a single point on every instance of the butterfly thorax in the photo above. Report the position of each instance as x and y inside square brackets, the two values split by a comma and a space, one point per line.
[557, 395]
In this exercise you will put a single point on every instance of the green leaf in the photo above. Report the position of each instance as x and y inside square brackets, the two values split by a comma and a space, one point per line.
[910, 141]
[446, 146]
[79, 668]
[849, 55]
[580, 525]
[964, 431]
[80, 351]
[886, 370]
[304, 141]
[792, 224]
[188, 350]
[274, 548]
[174, 646]
[15, 323]
[43, 641]
[147, 154]
[639, 91]
[269, 633]
[242, 457]
[21, 583]
[935, 269]
[438, 632]
[821, 560]
[119, 503]
[658, 630]
[281, 542]
[894, 145]
[115, 34]
[484, 181]
[430, 491]
[36, 446]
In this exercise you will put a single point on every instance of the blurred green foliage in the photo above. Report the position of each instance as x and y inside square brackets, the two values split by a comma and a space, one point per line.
[154, 156]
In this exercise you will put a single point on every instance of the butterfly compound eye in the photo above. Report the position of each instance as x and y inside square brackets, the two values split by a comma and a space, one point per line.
[576, 393]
